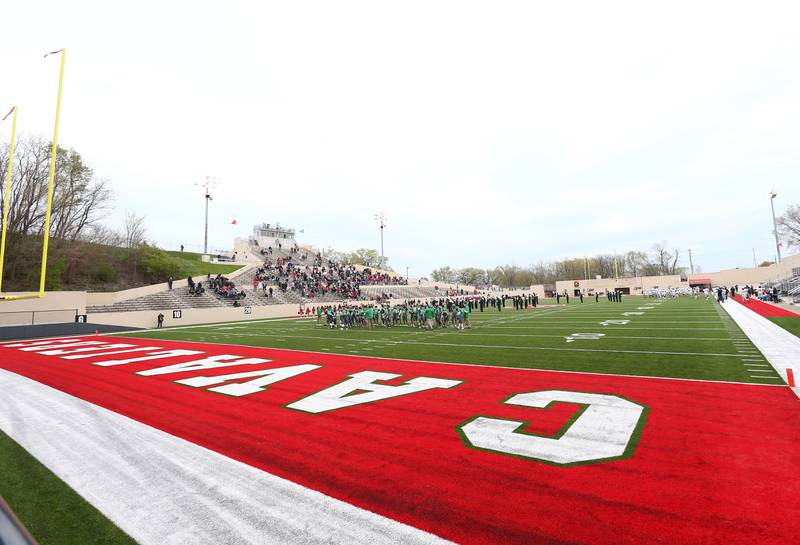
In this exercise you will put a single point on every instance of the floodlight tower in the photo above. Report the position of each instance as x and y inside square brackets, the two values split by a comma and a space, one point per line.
[380, 217]
[208, 185]
[772, 196]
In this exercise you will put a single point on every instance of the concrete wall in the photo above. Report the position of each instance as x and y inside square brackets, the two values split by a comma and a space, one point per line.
[54, 307]
[753, 275]
[192, 316]
[727, 277]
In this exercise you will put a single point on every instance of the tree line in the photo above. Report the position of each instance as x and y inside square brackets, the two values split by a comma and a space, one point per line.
[78, 236]
[661, 260]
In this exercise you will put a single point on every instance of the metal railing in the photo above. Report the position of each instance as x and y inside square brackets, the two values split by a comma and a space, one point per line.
[37, 317]
[12, 532]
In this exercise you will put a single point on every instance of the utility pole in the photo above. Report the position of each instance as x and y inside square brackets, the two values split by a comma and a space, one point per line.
[691, 265]
[380, 217]
[755, 263]
[772, 196]
[208, 185]
[585, 268]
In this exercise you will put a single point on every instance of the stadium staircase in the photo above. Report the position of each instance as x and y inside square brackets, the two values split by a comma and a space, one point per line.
[163, 300]
[401, 292]
[787, 287]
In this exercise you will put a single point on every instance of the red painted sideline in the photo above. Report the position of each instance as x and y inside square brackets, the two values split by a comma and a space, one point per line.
[765, 309]
[710, 466]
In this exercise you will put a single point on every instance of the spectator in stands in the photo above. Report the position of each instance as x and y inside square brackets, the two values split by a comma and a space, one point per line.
[169, 282]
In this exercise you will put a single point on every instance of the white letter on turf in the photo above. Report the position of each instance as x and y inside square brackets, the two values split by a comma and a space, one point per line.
[340, 395]
[154, 356]
[269, 376]
[211, 362]
[603, 430]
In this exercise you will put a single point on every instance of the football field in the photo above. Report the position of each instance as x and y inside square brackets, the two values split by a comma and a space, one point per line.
[677, 338]
[634, 423]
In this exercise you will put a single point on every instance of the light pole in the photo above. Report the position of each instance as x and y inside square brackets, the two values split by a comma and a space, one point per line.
[772, 196]
[208, 185]
[380, 217]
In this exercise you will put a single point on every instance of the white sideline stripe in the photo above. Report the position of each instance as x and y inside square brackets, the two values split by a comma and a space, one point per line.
[780, 348]
[163, 490]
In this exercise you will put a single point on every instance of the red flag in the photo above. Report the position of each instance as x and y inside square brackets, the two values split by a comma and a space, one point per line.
[233, 222]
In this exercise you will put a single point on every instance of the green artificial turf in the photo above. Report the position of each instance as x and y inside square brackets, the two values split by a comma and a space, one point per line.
[789, 323]
[192, 264]
[52, 512]
[681, 338]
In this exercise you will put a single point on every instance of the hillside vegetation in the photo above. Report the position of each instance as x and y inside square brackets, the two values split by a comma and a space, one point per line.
[77, 265]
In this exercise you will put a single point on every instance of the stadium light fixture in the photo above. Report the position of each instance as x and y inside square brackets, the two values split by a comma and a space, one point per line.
[7, 190]
[772, 196]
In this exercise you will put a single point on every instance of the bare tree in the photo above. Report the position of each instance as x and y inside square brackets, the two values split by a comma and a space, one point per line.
[134, 230]
[635, 262]
[789, 225]
[79, 199]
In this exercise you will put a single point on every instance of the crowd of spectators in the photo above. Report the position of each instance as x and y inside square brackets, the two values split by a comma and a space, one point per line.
[320, 278]
[225, 288]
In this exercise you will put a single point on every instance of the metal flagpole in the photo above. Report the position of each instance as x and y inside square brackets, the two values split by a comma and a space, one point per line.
[53, 157]
[7, 191]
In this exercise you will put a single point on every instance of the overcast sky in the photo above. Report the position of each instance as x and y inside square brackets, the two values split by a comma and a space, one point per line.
[489, 133]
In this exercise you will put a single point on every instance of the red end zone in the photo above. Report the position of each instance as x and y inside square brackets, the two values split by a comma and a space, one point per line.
[603, 459]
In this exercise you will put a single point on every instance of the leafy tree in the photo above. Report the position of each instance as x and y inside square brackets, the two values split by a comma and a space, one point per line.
[80, 201]
[367, 257]
[471, 275]
[443, 274]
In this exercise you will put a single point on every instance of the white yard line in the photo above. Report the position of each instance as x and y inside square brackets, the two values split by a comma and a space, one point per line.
[163, 490]
[779, 347]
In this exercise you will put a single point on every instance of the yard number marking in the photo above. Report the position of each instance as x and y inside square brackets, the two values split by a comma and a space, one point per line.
[615, 322]
[584, 337]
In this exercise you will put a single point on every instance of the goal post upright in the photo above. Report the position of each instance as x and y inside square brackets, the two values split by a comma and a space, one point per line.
[50, 186]
[51, 180]
[7, 193]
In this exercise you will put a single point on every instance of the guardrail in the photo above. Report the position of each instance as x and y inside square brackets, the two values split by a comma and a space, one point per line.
[36, 317]
[12, 532]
